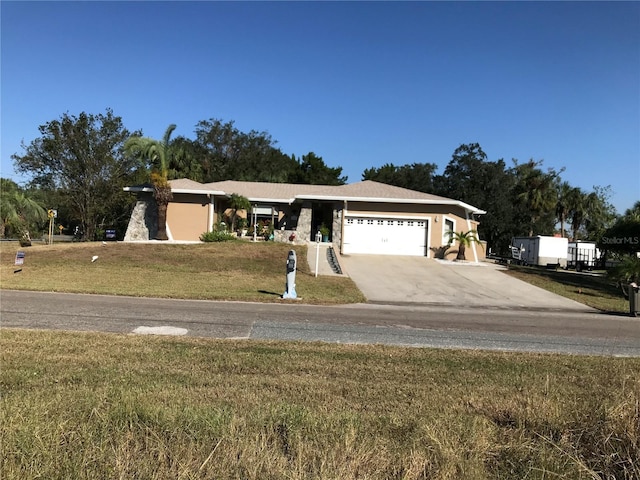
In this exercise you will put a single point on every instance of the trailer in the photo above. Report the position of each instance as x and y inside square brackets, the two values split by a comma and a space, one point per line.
[583, 255]
[540, 250]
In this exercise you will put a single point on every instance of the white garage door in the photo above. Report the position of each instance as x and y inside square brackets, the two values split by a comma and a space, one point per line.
[385, 236]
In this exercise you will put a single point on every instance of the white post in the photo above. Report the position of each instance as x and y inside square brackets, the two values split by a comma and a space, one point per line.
[318, 238]
[254, 213]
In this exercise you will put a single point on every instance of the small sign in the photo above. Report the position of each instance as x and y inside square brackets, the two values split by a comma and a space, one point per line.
[110, 234]
[20, 258]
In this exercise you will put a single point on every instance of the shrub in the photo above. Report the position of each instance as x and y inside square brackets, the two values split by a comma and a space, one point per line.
[217, 236]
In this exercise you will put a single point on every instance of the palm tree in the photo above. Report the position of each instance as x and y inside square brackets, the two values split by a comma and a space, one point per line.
[576, 204]
[536, 193]
[18, 211]
[157, 153]
[237, 202]
[464, 239]
[562, 204]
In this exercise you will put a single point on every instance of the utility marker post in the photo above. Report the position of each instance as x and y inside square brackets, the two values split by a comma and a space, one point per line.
[290, 289]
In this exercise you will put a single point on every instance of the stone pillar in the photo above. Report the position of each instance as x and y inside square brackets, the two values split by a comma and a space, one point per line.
[336, 227]
[143, 224]
[303, 229]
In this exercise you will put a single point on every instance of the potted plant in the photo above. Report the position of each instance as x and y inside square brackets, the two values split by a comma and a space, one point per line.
[324, 231]
[242, 225]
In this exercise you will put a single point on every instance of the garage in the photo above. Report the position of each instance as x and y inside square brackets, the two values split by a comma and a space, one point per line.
[385, 236]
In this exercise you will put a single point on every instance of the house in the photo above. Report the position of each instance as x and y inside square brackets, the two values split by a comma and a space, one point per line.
[365, 217]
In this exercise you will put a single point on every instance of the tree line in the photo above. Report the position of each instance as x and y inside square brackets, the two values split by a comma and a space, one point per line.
[520, 199]
[80, 164]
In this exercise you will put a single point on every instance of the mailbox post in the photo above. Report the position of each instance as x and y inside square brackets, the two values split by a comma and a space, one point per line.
[290, 289]
[318, 240]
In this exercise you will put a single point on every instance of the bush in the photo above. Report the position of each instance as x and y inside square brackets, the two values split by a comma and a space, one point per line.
[217, 236]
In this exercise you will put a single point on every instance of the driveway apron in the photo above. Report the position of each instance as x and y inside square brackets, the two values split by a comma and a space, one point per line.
[401, 279]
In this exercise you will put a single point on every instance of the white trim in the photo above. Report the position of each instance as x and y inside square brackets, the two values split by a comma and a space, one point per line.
[473, 244]
[138, 189]
[428, 234]
[389, 215]
[444, 223]
[211, 213]
[198, 192]
[420, 201]
[175, 190]
[288, 201]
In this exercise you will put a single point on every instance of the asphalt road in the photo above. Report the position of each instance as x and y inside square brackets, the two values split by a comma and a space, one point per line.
[440, 326]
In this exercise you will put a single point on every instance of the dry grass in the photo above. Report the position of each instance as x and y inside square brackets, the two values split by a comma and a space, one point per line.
[217, 271]
[114, 406]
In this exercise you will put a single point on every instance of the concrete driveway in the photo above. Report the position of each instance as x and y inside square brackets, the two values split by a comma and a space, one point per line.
[394, 279]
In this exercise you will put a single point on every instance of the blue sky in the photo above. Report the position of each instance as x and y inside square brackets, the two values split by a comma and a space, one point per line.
[360, 84]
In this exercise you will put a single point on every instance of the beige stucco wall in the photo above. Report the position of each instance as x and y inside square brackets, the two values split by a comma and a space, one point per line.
[188, 216]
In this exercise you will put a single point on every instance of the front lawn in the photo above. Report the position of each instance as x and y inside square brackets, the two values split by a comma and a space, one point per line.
[237, 270]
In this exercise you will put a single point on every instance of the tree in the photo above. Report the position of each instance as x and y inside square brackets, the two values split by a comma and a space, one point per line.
[464, 239]
[19, 213]
[226, 153]
[185, 160]
[536, 194]
[600, 213]
[417, 176]
[623, 240]
[313, 171]
[471, 178]
[633, 213]
[237, 202]
[562, 204]
[80, 161]
[158, 154]
[576, 205]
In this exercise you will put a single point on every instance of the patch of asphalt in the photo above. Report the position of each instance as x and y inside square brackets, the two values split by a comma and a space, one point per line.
[517, 308]
[429, 338]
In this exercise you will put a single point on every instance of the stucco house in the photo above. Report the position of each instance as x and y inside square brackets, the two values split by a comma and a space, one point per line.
[365, 217]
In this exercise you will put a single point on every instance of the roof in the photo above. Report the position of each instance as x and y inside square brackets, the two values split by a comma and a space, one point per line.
[365, 191]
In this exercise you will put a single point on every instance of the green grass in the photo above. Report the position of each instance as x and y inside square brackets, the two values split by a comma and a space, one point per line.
[237, 270]
[86, 406]
[598, 292]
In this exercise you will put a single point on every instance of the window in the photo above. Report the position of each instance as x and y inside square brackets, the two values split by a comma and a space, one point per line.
[360, 221]
[380, 222]
[369, 222]
[447, 226]
[400, 223]
[389, 222]
[349, 221]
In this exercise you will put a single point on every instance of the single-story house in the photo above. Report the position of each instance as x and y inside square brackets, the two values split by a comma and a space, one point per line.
[365, 217]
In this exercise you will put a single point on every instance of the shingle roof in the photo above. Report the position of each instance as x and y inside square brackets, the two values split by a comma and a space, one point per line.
[367, 190]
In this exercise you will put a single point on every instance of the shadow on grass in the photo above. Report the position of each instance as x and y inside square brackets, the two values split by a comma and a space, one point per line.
[270, 293]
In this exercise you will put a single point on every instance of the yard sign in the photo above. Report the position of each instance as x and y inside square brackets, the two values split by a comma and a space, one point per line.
[20, 257]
